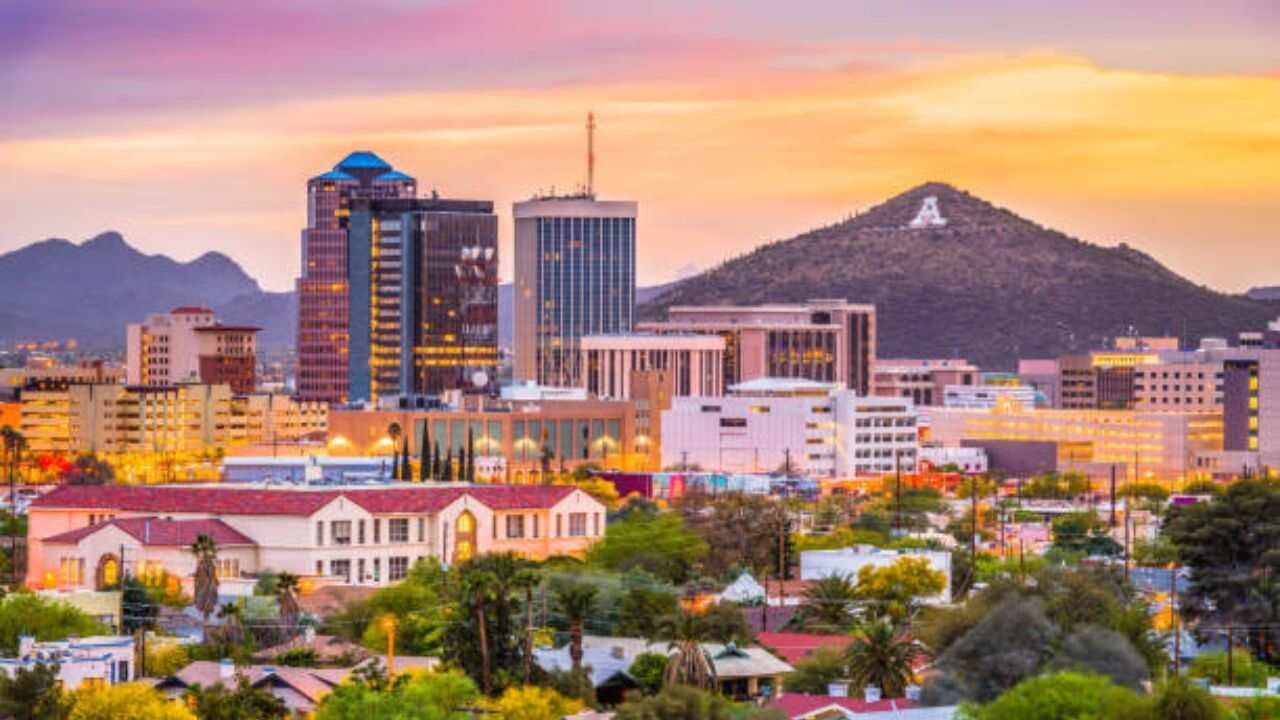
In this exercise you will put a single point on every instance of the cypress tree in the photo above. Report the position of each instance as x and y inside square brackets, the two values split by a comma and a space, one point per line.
[406, 467]
[424, 452]
[446, 472]
[435, 461]
[469, 468]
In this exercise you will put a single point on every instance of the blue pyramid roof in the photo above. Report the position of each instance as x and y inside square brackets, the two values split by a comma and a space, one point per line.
[334, 175]
[394, 175]
[362, 160]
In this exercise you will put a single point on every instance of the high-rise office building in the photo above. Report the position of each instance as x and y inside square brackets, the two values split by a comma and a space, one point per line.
[398, 294]
[575, 260]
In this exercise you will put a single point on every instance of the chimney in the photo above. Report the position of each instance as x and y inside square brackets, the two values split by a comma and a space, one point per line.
[838, 689]
[871, 693]
[226, 669]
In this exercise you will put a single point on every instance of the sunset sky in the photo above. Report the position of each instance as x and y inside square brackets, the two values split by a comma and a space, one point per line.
[732, 122]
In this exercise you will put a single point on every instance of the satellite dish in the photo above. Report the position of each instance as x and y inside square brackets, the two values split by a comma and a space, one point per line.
[479, 378]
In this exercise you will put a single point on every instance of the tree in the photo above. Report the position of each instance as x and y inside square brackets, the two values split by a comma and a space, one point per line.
[575, 601]
[723, 622]
[89, 469]
[660, 544]
[883, 656]
[435, 462]
[138, 610]
[689, 664]
[1091, 649]
[14, 445]
[126, 701]
[895, 590]
[828, 604]
[991, 657]
[393, 432]
[815, 672]
[23, 613]
[243, 702]
[648, 669]
[424, 452]
[406, 467]
[1178, 699]
[1245, 670]
[287, 596]
[469, 468]
[1230, 546]
[411, 696]
[740, 530]
[166, 658]
[33, 693]
[205, 551]
[600, 489]
[446, 472]
[533, 703]
[1062, 696]
[232, 617]
[687, 703]
[481, 637]
[645, 600]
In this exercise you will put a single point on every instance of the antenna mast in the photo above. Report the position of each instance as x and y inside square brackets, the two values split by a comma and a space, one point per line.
[591, 153]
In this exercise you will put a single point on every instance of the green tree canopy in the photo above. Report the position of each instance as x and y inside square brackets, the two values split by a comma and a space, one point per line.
[33, 693]
[1062, 696]
[25, 613]
[412, 696]
[679, 702]
[660, 544]
[242, 702]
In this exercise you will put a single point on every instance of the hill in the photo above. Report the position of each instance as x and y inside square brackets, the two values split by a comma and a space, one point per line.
[56, 289]
[974, 280]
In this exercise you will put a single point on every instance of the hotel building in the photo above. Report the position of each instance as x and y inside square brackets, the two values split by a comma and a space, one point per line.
[828, 341]
[188, 344]
[575, 275]
[768, 424]
[81, 537]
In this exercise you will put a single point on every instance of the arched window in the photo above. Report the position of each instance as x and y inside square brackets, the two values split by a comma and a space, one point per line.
[464, 537]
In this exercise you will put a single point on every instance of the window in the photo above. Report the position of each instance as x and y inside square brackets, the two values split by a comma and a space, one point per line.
[535, 526]
[340, 568]
[360, 570]
[360, 532]
[515, 526]
[397, 568]
[377, 570]
[340, 532]
[377, 530]
[398, 530]
[320, 533]
[595, 524]
[122, 671]
[733, 422]
[577, 524]
[422, 524]
[558, 530]
[319, 567]
[228, 568]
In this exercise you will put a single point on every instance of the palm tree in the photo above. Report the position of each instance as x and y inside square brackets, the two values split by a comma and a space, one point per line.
[883, 656]
[575, 601]
[689, 664]
[232, 624]
[527, 580]
[206, 579]
[481, 586]
[287, 596]
[14, 444]
[828, 604]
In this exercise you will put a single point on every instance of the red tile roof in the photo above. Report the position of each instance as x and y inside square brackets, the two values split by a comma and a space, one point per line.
[190, 310]
[235, 501]
[795, 646]
[160, 532]
[795, 705]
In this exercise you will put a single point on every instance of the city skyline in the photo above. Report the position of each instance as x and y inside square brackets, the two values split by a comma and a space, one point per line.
[194, 129]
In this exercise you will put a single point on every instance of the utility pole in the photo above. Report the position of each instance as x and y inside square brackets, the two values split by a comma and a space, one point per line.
[973, 537]
[1174, 621]
[897, 472]
[1126, 542]
[1231, 637]
[591, 153]
[1113, 496]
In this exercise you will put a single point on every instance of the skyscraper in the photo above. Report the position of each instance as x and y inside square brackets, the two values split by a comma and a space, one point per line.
[398, 294]
[575, 260]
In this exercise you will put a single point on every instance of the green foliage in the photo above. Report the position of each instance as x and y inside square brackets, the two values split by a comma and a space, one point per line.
[482, 603]
[840, 538]
[1178, 699]
[1261, 708]
[267, 582]
[740, 531]
[895, 590]
[818, 670]
[1061, 696]
[686, 703]
[659, 544]
[1147, 491]
[643, 602]
[991, 658]
[828, 605]
[297, 657]
[1160, 552]
[1245, 670]
[412, 696]
[1055, 487]
[417, 604]
[1081, 532]
[1202, 487]
[33, 693]
[724, 622]
[648, 669]
[24, 613]
[882, 655]
[165, 659]
[139, 611]
[1094, 650]
[243, 702]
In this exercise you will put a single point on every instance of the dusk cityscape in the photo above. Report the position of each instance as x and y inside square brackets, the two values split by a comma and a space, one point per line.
[450, 359]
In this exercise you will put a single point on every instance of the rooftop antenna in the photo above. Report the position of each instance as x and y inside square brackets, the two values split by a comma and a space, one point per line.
[591, 153]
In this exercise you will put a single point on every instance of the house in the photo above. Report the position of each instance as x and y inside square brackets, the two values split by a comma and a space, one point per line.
[840, 707]
[89, 537]
[82, 662]
[301, 689]
[742, 672]
[794, 647]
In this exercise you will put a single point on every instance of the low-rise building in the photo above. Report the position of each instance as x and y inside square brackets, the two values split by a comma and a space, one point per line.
[90, 662]
[695, 362]
[90, 537]
[772, 423]
[987, 396]
[969, 460]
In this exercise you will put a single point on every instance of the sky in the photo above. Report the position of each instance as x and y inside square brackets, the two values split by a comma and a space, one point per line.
[192, 127]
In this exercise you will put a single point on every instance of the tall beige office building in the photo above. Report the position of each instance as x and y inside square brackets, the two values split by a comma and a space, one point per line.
[575, 275]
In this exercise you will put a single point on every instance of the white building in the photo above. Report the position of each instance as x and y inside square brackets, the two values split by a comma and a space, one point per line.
[970, 460]
[819, 428]
[696, 362]
[985, 397]
[89, 662]
[846, 562]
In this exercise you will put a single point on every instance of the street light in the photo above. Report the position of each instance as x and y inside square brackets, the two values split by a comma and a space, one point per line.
[389, 627]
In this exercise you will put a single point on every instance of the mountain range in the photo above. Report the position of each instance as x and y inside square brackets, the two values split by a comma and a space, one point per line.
[56, 289]
[959, 278]
[973, 280]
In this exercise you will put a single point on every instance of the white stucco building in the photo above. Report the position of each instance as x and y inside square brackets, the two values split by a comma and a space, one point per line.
[82, 662]
[819, 428]
[88, 537]
[846, 562]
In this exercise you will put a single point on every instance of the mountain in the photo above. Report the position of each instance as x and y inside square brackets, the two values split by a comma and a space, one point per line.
[1268, 292]
[987, 285]
[56, 289]
[506, 306]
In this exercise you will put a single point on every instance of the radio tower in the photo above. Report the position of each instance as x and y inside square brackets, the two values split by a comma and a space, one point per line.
[591, 154]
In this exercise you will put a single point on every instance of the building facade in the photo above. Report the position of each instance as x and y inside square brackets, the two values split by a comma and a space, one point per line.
[88, 663]
[91, 537]
[609, 363]
[188, 344]
[324, 288]
[829, 341]
[575, 275]
[423, 306]
[777, 424]
[922, 381]
[988, 396]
